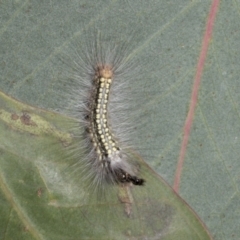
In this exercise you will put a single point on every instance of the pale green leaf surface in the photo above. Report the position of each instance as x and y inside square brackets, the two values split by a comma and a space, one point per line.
[45, 203]
[167, 43]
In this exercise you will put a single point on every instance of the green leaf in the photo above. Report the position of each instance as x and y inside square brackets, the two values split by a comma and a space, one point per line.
[39, 201]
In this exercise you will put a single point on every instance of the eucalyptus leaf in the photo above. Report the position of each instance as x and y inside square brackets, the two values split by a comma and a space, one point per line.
[40, 202]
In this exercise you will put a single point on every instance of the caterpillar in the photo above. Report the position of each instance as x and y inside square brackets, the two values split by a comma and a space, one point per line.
[97, 94]
[110, 161]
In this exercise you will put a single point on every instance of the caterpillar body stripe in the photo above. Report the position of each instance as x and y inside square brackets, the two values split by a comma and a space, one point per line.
[109, 156]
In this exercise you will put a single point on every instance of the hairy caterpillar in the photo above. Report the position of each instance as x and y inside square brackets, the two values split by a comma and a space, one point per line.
[98, 89]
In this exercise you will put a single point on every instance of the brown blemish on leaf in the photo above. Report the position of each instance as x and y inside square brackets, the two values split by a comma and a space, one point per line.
[39, 192]
[125, 197]
[26, 120]
[25, 229]
[14, 116]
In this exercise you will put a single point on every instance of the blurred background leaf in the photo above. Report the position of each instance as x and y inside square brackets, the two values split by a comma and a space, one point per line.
[167, 40]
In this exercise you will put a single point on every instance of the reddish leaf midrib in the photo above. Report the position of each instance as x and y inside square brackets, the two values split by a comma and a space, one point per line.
[195, 89]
